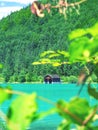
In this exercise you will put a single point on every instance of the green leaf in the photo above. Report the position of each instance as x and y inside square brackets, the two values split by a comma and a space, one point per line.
[92, 91]
[73, 111]
[84, 45]
[85, 128]
[1, 66]
[90, 128]
[95, 117]
[42, 61]
[77, 33]
[4, 95]
[45, 113]
[54, 55]
[36, 63]
[82, 49]
[93, 30]
[64, 53]
[45, 53]
[95, 128]
[81, 32]
[56, 64]
[96, 70]
[65, 125]
[45, 61]
[78, 48]
[22, 112]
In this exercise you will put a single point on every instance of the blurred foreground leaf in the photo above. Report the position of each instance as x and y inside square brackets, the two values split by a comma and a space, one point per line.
[65, 125]
[4, 95]
[93, 92]
[93, 31]
[1, 66]
[22, 112]
[96, 70]
[73, 111]
[45, 113]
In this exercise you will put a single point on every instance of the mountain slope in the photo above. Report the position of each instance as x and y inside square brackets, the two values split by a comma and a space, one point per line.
[24, 36]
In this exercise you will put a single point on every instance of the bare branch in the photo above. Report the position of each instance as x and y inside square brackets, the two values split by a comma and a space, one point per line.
[69, 4]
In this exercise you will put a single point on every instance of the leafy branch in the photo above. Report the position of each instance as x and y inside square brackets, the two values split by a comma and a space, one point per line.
[38, 8]
[62, 108]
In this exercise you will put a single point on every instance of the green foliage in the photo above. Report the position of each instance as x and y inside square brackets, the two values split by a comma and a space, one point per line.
[45, 113]
[21, 78]
[22, 112]
[23, 47]
[28, 77]
[94, 78]
[73, 79]
[1, 78]
[2, 125]
[96, 70]
[82, 49]
[23, 37]
[93, 91]
[75, 107]
[86, 53]
[88, 49]
[52, 57]
[1, 66]
[93, 31]
[4, 95]
[69, 79]
[73, 113]
[65, 125]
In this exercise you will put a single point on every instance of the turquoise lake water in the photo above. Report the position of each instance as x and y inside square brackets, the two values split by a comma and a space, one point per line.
[53, 92]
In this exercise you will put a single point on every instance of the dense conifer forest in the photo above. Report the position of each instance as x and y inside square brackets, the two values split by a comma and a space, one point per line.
[24, 36]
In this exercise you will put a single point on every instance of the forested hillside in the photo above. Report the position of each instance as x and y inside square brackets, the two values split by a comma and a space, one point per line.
[24, 36]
